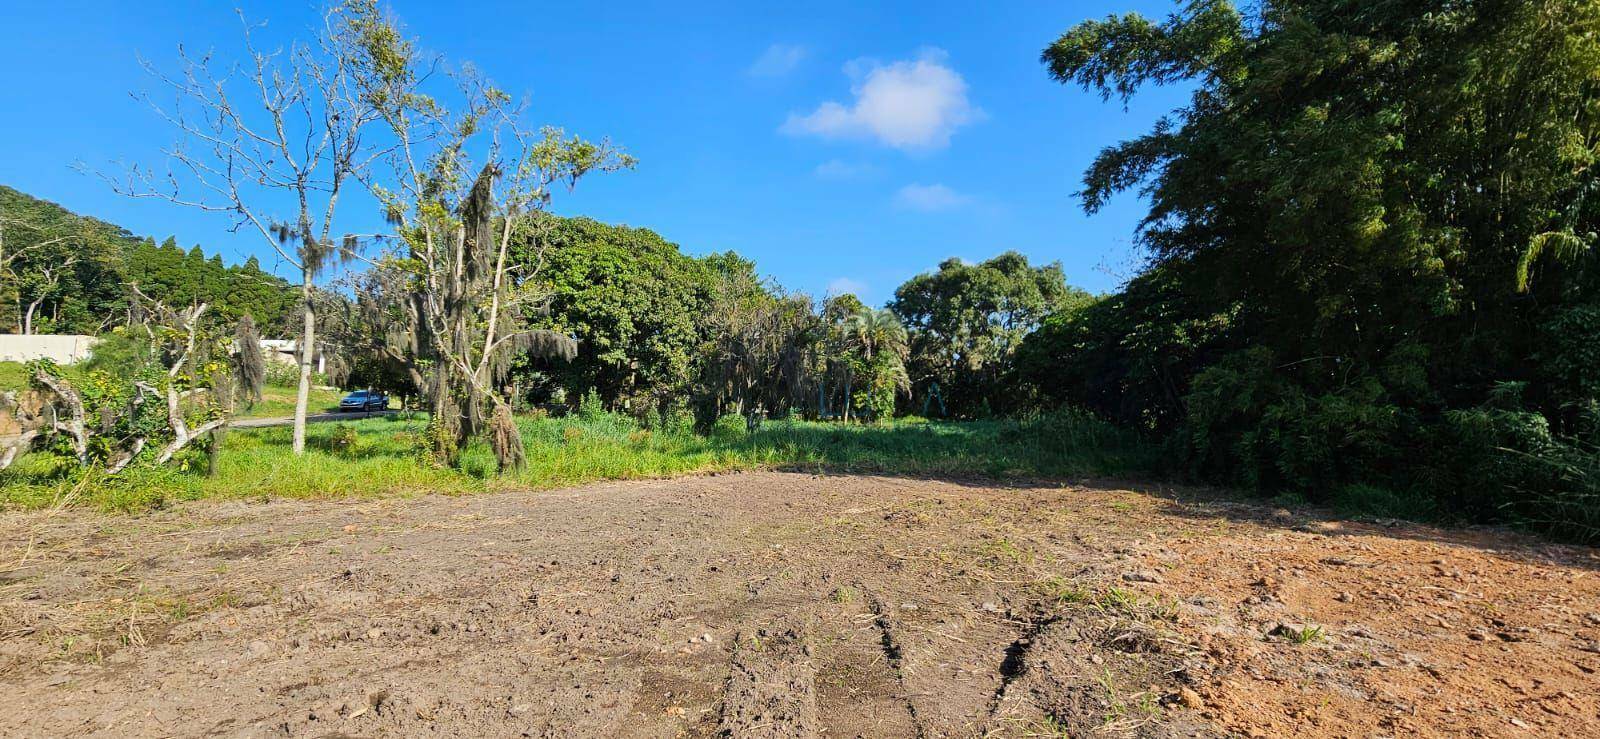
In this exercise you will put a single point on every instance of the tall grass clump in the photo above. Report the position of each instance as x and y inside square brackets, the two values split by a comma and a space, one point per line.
[1093, 442]
[730, 428]
[1559, 490]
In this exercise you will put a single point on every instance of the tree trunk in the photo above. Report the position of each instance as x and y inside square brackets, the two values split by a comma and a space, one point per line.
[847, 383]
[27, 321]
[307, 351]
[214, 442]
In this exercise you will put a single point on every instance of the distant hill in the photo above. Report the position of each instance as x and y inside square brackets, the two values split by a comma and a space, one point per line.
[62, 272]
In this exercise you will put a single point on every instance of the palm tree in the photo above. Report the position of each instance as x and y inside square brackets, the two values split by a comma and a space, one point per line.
[876, 330]
[876, 333]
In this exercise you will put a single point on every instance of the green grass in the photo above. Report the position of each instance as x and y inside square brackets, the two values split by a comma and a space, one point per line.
[1308, 635]
[278, 401]
[14, 375]
[385, 459]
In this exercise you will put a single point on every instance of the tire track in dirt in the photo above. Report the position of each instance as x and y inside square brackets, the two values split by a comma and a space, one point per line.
[1051, 685]
[889, 636]
[1012, 666]
[1086, 670]
[858, 692]
[771, 690]
[884, 608]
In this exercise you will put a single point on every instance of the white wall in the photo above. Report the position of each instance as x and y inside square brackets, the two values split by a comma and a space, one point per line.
[63, 348]
[287, 351]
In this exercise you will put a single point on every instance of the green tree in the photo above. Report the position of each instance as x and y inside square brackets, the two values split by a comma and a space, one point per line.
[465, 300]
[836, 370]
[760, 346]
[59, 272]
[635, 300]
[878, 371]
[1368, 221]
[967, 320]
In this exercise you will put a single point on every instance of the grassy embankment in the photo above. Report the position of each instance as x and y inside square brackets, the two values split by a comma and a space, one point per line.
[278, 401]
[385, 459]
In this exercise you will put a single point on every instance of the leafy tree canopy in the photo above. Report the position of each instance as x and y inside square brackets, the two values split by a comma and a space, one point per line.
[634, 301]
[90, 295]
[1370, 230]
[966, 321]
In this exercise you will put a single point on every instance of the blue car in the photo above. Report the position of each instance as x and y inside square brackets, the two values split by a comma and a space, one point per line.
[365, 400]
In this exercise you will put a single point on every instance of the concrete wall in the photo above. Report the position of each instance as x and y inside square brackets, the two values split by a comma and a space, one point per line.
[286, 351]
[63, 348]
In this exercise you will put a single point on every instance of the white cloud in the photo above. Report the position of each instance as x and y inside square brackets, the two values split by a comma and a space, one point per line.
[913, 104]
[930, 198]
[777, 61]
[835, 169]
[843, 285]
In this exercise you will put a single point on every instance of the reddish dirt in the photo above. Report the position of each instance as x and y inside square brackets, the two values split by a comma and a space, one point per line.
[785, 605]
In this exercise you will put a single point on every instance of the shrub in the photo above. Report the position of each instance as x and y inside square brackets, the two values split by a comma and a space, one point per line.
[122, 353]
[1561, 491]
[1076, 434]
[591, 408]
[1476, 456]
[677, 420]
[1383, 502]
[343, 440]
[731, 427]
[1571, 351]
[437, 444]
[282, 374]
[1068, 430]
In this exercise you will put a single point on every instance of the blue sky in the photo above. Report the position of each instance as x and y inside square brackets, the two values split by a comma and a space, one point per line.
[839, 144]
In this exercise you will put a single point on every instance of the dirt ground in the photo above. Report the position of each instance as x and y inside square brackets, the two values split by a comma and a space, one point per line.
[780, 605]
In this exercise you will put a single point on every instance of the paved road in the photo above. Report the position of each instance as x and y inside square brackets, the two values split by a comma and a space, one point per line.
[251, 423]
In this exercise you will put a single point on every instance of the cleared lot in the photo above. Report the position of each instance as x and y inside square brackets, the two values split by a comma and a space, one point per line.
[774, 604]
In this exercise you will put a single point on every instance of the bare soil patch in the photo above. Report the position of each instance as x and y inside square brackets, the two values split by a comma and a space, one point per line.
[780, 605]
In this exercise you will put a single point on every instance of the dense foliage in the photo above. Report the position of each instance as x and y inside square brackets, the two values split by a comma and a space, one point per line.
[1371, 276]
[1371, 235]
[967, 321]
[660, 332]
[74, 271]
[177, 277]
[633, 300]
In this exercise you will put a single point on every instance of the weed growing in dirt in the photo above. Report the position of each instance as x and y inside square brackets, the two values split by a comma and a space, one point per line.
[1112, 601]
[1049, 726]
[1124, 713]
[1063, 591]
[1308, 635]
[1004, 550]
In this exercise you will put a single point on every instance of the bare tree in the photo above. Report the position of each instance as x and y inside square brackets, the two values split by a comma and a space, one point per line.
[113, 430]
[45, 277]
[464, 302]
[44, 287]
[272, 143]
